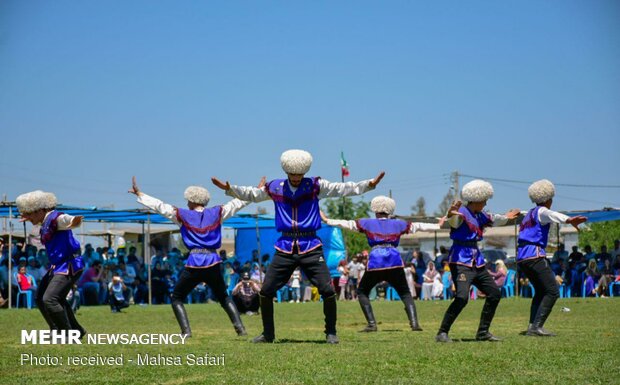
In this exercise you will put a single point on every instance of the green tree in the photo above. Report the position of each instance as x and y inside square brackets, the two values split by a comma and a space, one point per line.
[599, 234]
[354, 242]
[445, 204]
[419, 209]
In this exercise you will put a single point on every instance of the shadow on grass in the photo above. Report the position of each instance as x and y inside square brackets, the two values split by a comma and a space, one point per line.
[293, 341]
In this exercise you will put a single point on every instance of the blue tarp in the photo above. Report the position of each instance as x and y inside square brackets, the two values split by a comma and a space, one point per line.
[246, 241]
[598, 215]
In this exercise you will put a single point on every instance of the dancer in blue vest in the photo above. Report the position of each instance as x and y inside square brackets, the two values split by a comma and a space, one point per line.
[296, 201]
[384, 261]
[467, 224]
[531, 256]
[201, 230]
[63, 251]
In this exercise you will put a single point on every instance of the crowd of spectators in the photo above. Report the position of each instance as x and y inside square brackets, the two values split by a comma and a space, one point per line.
[119, 278]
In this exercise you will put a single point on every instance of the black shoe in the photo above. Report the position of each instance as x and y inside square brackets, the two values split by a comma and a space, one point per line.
[539, 332]
[416, 328]
[487, 336]
[369, 328]
[240, 329]
[262, 340]
[443, 337]
[332, 339]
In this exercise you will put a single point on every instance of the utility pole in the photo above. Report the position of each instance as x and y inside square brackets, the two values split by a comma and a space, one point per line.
[454, 178]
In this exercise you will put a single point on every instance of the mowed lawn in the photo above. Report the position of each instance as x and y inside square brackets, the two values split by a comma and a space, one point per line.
[587, 350]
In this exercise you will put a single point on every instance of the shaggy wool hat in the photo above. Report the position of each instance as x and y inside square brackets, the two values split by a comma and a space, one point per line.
[383, 204]
[296, 161]
[477, 190]
[197, 194]
[541, 191]
[35, 200]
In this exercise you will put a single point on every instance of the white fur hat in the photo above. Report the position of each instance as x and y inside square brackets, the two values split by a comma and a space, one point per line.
[477, 190]
[383, 204]
[296, 161]
[35, 200]
[197, 194]
[541, 191]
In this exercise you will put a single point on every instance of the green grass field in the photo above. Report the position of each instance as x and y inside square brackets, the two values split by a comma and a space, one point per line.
[587, 350]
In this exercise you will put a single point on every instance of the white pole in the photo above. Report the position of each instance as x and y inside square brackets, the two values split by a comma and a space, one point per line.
[147, 255]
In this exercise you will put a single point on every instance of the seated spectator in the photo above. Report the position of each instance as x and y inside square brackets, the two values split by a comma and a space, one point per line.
[116, 289]
[500, 273]
[602, 256]
[607, 276]
[575, 256]
[245, 295]
[91, 283]
[593, 276]
[25, 281]
[33, 268]
[589, 254]
[432, 286]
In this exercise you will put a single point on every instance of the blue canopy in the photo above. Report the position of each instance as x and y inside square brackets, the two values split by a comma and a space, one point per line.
[246, 240]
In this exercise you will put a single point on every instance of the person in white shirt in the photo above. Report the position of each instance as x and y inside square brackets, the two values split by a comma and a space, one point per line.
[531, 256]
[384, 262]
[63, 250]
[201, 230]
[296, 201]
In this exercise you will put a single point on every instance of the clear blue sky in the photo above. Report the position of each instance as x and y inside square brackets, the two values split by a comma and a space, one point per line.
[93, 92]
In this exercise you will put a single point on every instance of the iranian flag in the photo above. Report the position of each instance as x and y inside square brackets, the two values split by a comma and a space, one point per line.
[344, 165]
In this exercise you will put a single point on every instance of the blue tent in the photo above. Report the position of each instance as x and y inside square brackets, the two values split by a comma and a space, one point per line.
[244, 224]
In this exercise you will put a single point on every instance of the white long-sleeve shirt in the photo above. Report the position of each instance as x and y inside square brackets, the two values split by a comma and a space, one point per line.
[228, 209]
[546, 216]
[63, 220]
[327, 190]
[352, 225]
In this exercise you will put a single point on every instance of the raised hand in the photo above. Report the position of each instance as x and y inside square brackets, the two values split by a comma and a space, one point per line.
[377, 179]
[454, 208]
[323, 216]
[513, 213]
[76, 221]
[134, 187]
[576, 221]
[220, 184]
[261, 184]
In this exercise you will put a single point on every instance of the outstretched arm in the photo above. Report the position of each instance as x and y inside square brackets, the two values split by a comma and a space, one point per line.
[66, 221]
[340, 189]
[453, 216]
[504, 219]
[152, 203]
[229, 209]
[418, 226]
[546, 215]
[341, 223]
[245, 193]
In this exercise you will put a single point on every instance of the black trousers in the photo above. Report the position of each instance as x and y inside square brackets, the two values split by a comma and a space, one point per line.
[52, 298]
[191, 277]
[395, 277]
[463, 277]
[313, 265]
[283, 265]
[542, 278]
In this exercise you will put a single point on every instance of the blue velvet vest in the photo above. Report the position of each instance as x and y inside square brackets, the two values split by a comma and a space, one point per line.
[464, 250]
[62, 248]
[296, 213]
[202, 235]
[383, 236]
[532, 236]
